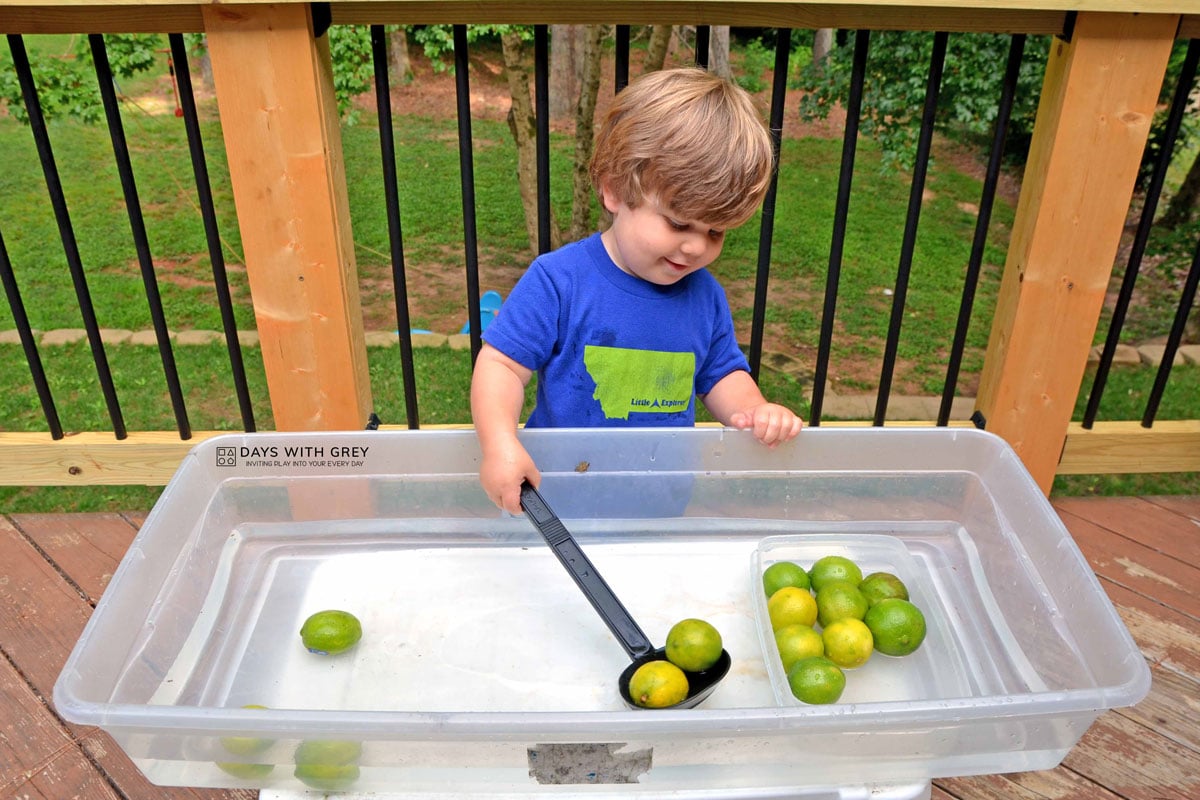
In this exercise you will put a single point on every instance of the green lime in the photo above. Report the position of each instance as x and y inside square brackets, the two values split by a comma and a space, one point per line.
[848, 642]
[328, 751]
[839, 600]
[658, 684]
[693, 645]
[246, 745]
[796, 643]
[327, 777]
[833, 568]
[816, 680]
[791, 605]
[781, 574]
[897, 626]
[882, 585]
[330, 632]
[328, 764]
[246, 772]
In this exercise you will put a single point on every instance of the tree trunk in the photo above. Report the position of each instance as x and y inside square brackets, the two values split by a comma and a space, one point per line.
[564, 78]
[523, 125]
[399, 67]
[656, 50]
[1183, 203]
[718, 51]
[585, 122]
[822, 44]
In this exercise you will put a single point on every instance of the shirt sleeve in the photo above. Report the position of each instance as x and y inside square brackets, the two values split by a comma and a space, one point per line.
[724, 354]
[526, 327]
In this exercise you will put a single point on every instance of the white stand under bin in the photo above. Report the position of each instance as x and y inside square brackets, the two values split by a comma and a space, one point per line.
[919, 791]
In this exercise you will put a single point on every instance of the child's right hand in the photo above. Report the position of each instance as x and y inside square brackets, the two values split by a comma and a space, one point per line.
[505, 466]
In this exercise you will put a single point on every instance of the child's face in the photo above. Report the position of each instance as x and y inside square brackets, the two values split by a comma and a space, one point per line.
[651, 243]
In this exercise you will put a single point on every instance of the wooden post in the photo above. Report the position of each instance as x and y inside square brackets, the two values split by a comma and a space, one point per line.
[1098, 98]
[280, 122]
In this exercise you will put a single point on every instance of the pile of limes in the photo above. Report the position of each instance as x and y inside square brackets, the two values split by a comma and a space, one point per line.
[693, 645]
[857, 615]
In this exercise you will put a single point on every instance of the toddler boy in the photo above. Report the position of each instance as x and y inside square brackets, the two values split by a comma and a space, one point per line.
[627, 327]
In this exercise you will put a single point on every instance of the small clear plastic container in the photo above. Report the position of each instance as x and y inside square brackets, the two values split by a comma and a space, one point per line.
[935, 670]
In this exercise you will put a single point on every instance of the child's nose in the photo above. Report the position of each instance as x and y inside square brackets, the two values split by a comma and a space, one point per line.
[693, 244]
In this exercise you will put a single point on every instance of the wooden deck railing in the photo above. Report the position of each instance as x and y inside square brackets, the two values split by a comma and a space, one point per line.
[282, 138]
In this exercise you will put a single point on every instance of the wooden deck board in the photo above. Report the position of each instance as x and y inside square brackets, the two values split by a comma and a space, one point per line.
[1145, 551]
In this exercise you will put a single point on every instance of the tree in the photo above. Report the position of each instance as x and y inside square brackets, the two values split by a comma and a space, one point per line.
[894, 88]
[583, 44]
[657, 47]
[66, 85]
[399, 65]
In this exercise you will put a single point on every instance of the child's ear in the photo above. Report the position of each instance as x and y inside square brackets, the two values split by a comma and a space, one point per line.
[609, 198]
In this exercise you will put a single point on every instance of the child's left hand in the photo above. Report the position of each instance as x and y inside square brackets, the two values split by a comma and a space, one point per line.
[770, 423]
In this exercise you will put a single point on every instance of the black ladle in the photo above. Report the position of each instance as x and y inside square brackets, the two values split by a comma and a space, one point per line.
[598, 593]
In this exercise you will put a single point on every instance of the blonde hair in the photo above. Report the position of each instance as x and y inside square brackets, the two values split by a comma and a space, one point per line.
[690, 138]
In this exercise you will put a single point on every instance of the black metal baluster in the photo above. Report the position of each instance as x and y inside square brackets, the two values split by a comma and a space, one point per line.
[541, 80]
[391, 194]
[1186, 300]
[987, 200]
[25, 332]
[862, 43]
[783, 44]
[116, 132]
[462, 85]
[1137, 249]
[66, 232]
[621, 73]
[703, 34]
[916, 192]
[191, 120]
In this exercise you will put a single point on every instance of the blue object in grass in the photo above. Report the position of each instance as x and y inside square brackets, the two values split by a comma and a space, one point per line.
[489, 306]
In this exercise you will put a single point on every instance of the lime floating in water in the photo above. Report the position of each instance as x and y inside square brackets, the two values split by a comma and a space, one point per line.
[330, 632]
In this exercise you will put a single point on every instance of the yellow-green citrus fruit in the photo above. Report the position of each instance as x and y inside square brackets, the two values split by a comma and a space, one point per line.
[848, 642]
[693, 645]
[839, 600]
[897, 626]
[816, 680]
[327, 777]
[791, 605]
[833, 568]
[796, 643]
[246, 745]
[882, 585]
[781, 574]
[330, 632]
[328, 751]
[246, 772]
[658, 684]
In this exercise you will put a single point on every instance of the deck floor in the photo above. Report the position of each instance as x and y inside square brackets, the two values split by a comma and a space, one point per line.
[1146, 552]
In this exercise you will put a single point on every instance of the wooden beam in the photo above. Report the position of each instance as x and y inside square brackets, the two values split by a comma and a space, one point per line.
[1169, 446]
[145, 458]
[877, 16]
[280, 122]
[1097, 102]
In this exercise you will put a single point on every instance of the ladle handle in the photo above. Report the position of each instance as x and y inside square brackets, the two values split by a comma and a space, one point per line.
[594, 587]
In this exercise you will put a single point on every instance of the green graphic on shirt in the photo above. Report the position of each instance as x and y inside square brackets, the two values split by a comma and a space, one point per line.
[639, 380]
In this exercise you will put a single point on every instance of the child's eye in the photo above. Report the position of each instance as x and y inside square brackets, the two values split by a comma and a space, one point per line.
[676, 225]
[716, 235]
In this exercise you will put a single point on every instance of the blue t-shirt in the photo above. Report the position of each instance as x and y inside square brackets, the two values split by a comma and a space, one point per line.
[611, 349]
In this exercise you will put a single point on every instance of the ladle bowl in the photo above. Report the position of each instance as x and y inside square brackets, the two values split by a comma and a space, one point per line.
[605, 602]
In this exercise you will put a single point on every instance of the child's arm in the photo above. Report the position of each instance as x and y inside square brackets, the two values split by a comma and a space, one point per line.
[497, 397]
[737, 401]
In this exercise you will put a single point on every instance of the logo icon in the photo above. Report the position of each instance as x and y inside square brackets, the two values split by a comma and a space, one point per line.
[226, 456]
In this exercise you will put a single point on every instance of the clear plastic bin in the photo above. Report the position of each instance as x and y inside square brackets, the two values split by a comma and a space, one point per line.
[484, 670]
